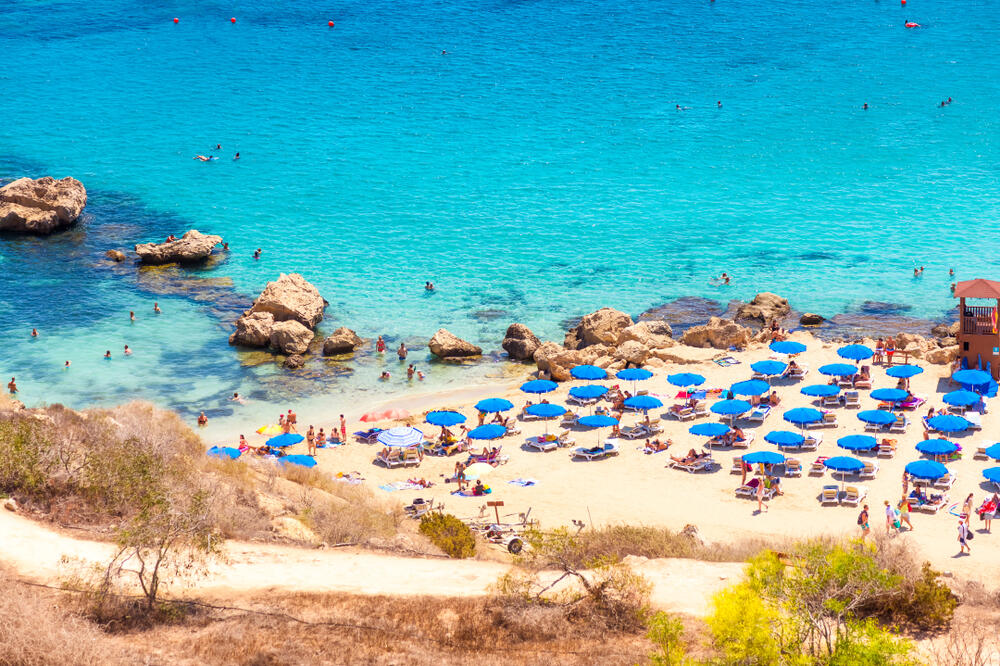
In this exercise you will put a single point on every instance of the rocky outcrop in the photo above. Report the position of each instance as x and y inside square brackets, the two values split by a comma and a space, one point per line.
[943, 355]
[603, 327]
[557, 361]
[294, 362]
[811, 319]
[291, 298]
[651, 334]
[520, 343]
[341, 341]
[447, 345]
[253, 330]
[632, 352]
[115, 255]
[717, 333]
[945, 330]
[41, 206]
[290, 337]
[190, 248]
[764, 308]
[916, 345]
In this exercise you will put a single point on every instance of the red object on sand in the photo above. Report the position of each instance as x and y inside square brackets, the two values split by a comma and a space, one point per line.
[385, 415]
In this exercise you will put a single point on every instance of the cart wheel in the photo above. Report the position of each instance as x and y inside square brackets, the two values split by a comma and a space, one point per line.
[515, 546]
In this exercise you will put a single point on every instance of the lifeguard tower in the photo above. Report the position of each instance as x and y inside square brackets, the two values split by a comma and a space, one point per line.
[978, 333]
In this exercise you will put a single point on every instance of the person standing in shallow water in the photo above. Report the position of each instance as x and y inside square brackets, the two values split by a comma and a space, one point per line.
[12, 386]
[380, 345]
[401, 352]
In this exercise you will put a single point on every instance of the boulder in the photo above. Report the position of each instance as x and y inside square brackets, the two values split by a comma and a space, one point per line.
[603, 327]
[520, 343]
[632, 352]
[717, 333]
[916, 345]
[942, 356]
[290, 337]
[10, 504]
[651, 334]
[341, 341]
[115, 255]
[190, 248]
[811, 319]
[41, 206]
[765, 308]
[557, 361]
[945, 330]
[295, 361]
[291, 298]
[448, 345]
[253, 330]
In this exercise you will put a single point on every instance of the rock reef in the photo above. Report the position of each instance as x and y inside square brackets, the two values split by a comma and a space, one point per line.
[341, 341]
[283, 317]
[445, 344]
[190, 248]
[41, 206]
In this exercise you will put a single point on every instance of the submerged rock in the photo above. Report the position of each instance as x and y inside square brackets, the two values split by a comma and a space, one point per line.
[41, 206]
[520, 343]
[341, 341]
[291, 297]
[447, 345]
[192, 247]
[115, 255]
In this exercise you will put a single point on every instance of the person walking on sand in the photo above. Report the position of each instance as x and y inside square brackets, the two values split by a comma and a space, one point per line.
[967, 505]
[291, 421]
[761, 506]
[890, 519]
[964, 535]
[904, 513]
[863, 522]
[343, 429]
[990, 514]
[311, 441]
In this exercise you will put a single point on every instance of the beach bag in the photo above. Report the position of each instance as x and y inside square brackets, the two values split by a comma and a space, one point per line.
[968, 535]
[861, 519]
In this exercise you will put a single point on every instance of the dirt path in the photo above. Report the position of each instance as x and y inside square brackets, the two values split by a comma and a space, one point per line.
[34, 551]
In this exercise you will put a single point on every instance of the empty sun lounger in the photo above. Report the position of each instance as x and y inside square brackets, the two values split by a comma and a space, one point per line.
[887, 448]
[569, 419]
[852, 399]
[829, 419]
[759, 413]
[369, 436]
[811, 442]
[541, 444]
[701, 409]
[793, 467]
[870, 470]
[737, 467]
[900, 425]
[946, 481]
[635, 432]
[830, 401]
[830, 495]
[854, 495]
[595, 453]
[975, 420]
[818, 468]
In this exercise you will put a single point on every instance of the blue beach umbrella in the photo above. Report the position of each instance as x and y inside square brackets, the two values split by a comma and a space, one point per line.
[224, 452]
[763, 457]
[633, 374]
[904, 371]
[972, 377]
[948, 423]
[444, 418]
[855, 352]
[488, 431]
[546, 410]
[750, 387]
[838, 370]
[782, 438]
[820, 390]
[769, 368]
[731, 407]
[877, 417]
[588, 372]
[889, 394]
[709, 429]
[993, 451]
[800, 416]
[844, 464]
[992, 474]
[961, 398]
[787, 347]
[926, 469]
[287, 439]
[491, 405]
[857, 442]
[301, 460]
[683, 379]
[643, 402]
[539, 386]
[937, 447]
[401, 436]
[588, 391]
[598, 421]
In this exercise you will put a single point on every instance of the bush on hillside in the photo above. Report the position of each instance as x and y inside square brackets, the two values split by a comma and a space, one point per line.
[449, 534]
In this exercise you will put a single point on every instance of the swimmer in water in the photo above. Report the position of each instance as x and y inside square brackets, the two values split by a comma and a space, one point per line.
[34, 332]
[128, 352]
[380, 345]
[156, 307]
[131, 315]
[865, 107]
[236, 398]
[678, 106]
[429, 286]
[409, 371]
[724, 278]
[67, 365]
[256, 254]
[718, 104]
[444, 53]
[225, 247]
[218, 146]
[420, 376]
[385, 375]
[107, 354]
[202, 158]
[951, 271]
[12, 386]
[236, 156]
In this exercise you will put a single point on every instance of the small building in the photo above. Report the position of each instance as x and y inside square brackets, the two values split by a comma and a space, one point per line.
[978, 333]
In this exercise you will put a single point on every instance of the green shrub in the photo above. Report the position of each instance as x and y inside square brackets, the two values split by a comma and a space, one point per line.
[449, 534]
[924, 603]
[667, 634]
[24, 458]
[867, 644]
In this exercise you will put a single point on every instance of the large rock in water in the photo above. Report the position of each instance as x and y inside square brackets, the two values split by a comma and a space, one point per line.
[253, 330]
[341, 341]
[41, 206]
[290, 337]
[603, 327]
[291, 298]
[811, 319]
[190, 248]
[765, 308]
[447, 345]
[520, 343]
[718, 333]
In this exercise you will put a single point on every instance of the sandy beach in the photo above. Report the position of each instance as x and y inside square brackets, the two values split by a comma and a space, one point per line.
[637, 488]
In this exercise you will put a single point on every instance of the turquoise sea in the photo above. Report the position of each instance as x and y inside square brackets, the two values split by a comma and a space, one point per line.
[536, 171]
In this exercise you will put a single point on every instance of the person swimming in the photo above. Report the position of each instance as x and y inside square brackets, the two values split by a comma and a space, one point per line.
[128, 352]
[218, 146]
[256, 254]
[67, 365]
[429, 286]
[34, 332]
[156, 307]
[865, 106]
[107, 354]
[718, 104]
[236, 156]
[203, 158]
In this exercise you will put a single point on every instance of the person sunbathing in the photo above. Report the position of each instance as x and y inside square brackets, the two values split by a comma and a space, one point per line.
[736, 435]
[445, 435]
[773, 399]
[524, 410]
[656, 446]
[423, 483]
[691, 457]
[479, 488]
[792, 365]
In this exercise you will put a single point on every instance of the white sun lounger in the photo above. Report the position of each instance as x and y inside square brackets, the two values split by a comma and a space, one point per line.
[596, 453]
[830, 495]
[704, 463]
[854, 495]
[539, 444]
[759, 413]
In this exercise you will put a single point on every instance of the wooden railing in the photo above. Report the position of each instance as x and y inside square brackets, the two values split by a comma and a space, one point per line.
[978, 320]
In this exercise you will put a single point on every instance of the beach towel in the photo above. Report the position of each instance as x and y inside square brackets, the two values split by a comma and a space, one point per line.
[726, 361]
[400, 485]
[524, 483]
[469, 493]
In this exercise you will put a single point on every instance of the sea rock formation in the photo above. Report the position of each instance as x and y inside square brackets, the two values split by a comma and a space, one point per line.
[945, 330]
[653, 334]
[520, 343]
[447, 345]
[341, 341]
[41, 206]
[765, 308]
[253, 330]
[294, 362]
[291, 298]
[190, 248]
[942, 355]
[557, 361]
[115, 255]
[603, 327]
[811, 319]
[290, 337]
[718, 333]
[632, 352]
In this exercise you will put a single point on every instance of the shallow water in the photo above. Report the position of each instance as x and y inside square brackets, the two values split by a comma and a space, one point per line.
[537, 171]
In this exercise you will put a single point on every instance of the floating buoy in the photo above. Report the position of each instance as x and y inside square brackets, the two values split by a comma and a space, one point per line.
[911, 24]
[232, 20]
[902, 2]
[330, 23]
[177, 20]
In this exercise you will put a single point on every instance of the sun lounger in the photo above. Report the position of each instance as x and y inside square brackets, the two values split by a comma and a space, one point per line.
[975, 420]
[565, 439]
[541, 444]
[583, 402]
[635, 432]
[870, 470]
[981, 451]
[854, 495]
[887, 448]
[595, 453]
[864, 382]
[748, 437]
[749, 490]
[569, 419]
[811, 442]
[759, 413]
[852, 399]
[797, 373]
[818, 468]
[911, 403]
[900, 425]
[830, 495]
[513, 429]
[704, 462]
[830, 401]
[737, 467]
[396, 457]
[793, 467]
[681, 412]
[701, 409]
[845, 382]
[829, 419]
[369, 436]
[946, 481]
[933, 504]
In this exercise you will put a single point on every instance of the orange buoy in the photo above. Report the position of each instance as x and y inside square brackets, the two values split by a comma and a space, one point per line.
[232, 20]
[911, 24]
[330, 23]
[902, 2]
[177, 20]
